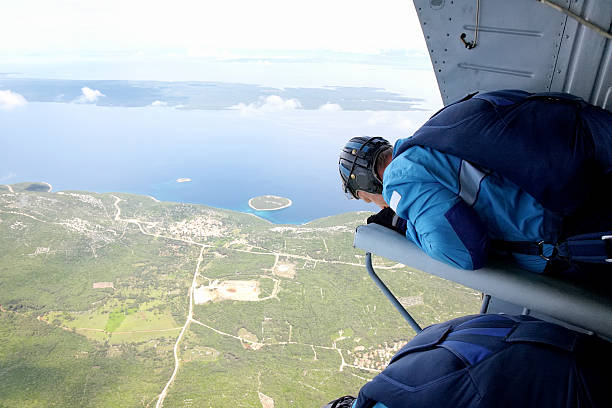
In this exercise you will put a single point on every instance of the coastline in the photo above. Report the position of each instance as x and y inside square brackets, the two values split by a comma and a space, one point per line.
[257, 216]
[262, 214]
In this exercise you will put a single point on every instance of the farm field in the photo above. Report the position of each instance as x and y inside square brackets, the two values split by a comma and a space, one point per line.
[120, 300]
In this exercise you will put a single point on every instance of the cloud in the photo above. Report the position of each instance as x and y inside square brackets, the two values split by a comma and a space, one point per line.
[200, 24]
[159, 103]
[330, 107]
[10, 100]
[272, 103]
[406, 125]
[395, 120]
[7, 176]
[89, 95]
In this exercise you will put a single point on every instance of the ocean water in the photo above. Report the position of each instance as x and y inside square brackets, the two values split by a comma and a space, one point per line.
[230, 156]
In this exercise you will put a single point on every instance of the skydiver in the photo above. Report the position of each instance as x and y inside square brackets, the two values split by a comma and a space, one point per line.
[492, 360]
[518, 173]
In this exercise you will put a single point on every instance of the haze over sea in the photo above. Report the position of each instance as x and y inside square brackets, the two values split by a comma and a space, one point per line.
[233, 140]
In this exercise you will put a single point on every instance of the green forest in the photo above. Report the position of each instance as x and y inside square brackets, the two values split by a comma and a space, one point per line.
[98, 290]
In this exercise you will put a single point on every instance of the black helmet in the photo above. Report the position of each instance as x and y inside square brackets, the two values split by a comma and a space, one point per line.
[358, 165]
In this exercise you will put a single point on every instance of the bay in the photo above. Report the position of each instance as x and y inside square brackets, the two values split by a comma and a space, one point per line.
[229, 155]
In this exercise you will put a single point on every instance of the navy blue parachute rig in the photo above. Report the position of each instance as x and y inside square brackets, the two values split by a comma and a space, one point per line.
[495, 361]
[555, 146]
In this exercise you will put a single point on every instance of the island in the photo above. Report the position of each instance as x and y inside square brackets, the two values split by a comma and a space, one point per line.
[269, 203]
[183, 180]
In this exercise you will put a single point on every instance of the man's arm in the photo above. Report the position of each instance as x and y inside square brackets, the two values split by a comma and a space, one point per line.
[439, 222]
[387, 218]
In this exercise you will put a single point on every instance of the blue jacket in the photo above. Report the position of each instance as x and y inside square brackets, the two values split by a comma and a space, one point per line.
[447, 182]
[494, 361]
[453, 208]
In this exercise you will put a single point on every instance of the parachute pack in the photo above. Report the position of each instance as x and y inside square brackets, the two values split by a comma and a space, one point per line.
[555, 146]
[486, 360]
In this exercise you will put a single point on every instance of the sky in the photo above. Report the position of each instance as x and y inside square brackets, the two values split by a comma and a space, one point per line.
[204, 28]
[337, 42]
[282, 44]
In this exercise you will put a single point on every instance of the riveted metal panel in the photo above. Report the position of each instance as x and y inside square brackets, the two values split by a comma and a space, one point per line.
[585, 57]
[522, 44]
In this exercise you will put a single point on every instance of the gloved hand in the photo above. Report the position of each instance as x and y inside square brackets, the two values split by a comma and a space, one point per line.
[387, 218]
[343, 402]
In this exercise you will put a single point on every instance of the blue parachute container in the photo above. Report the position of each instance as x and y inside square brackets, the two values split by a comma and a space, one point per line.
[495, 361]
[555, 146]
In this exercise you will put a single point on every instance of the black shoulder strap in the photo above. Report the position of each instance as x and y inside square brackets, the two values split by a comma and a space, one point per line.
[591, 248]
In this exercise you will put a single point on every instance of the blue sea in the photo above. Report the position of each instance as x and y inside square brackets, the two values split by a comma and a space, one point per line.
[230, 156]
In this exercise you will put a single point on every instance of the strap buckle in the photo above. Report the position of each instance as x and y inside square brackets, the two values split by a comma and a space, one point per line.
[605, 238]
[541, 251]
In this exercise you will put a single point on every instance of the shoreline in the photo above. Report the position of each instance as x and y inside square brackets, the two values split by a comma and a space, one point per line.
[242, 210]
[49, 184]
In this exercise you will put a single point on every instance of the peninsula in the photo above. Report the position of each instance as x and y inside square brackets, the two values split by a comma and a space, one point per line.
[269, 203]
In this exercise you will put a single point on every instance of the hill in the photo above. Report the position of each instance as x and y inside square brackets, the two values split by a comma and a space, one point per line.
[98, 291]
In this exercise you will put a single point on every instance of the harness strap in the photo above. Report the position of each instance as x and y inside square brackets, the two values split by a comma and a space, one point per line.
[525, 248]
[518, 247]
[590, 248]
